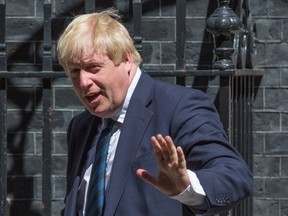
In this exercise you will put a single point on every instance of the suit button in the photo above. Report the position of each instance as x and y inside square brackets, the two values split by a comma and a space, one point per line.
[227, 200]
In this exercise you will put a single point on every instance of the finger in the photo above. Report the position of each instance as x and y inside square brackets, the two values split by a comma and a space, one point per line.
[171, 148]
[156, 144]
[146, 176]
[181, 158]
[164, 147]
[157, 149]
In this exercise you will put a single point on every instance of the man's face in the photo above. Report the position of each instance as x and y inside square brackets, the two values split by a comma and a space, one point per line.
[100, 85]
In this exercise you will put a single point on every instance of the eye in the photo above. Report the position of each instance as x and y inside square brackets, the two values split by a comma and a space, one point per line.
[74, 72]
[93, 68]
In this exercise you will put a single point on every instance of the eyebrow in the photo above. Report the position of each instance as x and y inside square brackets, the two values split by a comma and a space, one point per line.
[92, 63]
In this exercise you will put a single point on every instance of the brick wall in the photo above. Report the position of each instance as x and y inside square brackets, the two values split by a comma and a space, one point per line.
[24, 46]
[271, 108]
[24, 53]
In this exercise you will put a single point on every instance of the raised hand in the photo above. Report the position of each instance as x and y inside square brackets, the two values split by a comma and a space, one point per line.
[172, 178]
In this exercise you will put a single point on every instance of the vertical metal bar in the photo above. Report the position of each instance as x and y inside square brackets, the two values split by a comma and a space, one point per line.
[3, 64]
[3, 146]
[180, 38]
[234, 112]
[2, 36]
[47, 40]
[250, 121]
[46, 149]
[243, 130]
[241, 116]
[137, 17]
[246, 142]
[249, 144]
[251, 151]
[238, 125]
[225, 108]
[47, 112]
[225, 103]
[3, 113]
[89, 6]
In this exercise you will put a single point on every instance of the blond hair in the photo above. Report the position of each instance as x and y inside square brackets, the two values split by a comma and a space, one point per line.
[96, 32]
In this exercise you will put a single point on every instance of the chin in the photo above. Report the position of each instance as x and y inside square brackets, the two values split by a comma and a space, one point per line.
[99, 114]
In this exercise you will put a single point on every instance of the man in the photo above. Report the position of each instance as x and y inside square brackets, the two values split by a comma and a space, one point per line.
[168, 153]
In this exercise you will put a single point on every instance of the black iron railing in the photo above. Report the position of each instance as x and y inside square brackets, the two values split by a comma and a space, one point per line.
[235, 96]
[3, 113]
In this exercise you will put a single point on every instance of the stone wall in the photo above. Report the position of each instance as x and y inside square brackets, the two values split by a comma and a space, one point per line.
[24, 53]
[271, 108]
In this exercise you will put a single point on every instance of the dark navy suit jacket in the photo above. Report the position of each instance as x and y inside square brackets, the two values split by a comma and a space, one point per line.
[192, 121]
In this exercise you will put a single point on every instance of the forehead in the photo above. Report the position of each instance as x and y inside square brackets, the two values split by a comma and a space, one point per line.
[86, 58]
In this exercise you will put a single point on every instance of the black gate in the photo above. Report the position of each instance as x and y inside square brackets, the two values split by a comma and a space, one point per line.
[232, 41]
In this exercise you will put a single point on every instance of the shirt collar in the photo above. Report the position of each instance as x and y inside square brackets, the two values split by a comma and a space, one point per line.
[120, 115]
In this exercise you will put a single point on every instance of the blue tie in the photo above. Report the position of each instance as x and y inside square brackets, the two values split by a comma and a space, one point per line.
[96, 190]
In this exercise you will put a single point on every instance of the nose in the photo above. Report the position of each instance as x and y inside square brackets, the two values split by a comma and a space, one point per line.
[85, 79]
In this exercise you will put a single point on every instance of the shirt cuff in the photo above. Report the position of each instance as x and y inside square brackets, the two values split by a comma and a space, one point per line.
[194, 194]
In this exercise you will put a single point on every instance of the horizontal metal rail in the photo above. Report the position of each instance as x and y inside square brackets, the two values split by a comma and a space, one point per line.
[158, 73]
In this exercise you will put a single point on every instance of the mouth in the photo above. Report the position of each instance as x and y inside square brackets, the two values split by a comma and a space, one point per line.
[91, 98]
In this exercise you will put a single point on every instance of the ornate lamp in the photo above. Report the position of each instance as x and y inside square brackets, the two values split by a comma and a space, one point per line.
[222, 24]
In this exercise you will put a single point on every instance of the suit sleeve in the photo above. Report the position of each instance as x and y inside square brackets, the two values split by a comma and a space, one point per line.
[224, 175]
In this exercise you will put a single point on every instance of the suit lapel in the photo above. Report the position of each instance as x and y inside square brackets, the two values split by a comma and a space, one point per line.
[84, 140]
[136, 121]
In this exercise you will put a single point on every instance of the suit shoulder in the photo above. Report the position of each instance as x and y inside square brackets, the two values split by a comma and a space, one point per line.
[178, 90]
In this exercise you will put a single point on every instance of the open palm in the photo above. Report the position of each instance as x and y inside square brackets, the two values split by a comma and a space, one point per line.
[172, 178]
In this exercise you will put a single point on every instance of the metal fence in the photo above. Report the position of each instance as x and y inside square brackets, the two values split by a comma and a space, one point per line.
[235, 96]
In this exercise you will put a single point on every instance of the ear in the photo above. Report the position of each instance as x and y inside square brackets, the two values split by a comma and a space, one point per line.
[128, 60]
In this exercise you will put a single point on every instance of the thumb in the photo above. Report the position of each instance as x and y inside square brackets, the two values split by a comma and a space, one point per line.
[146, 176]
